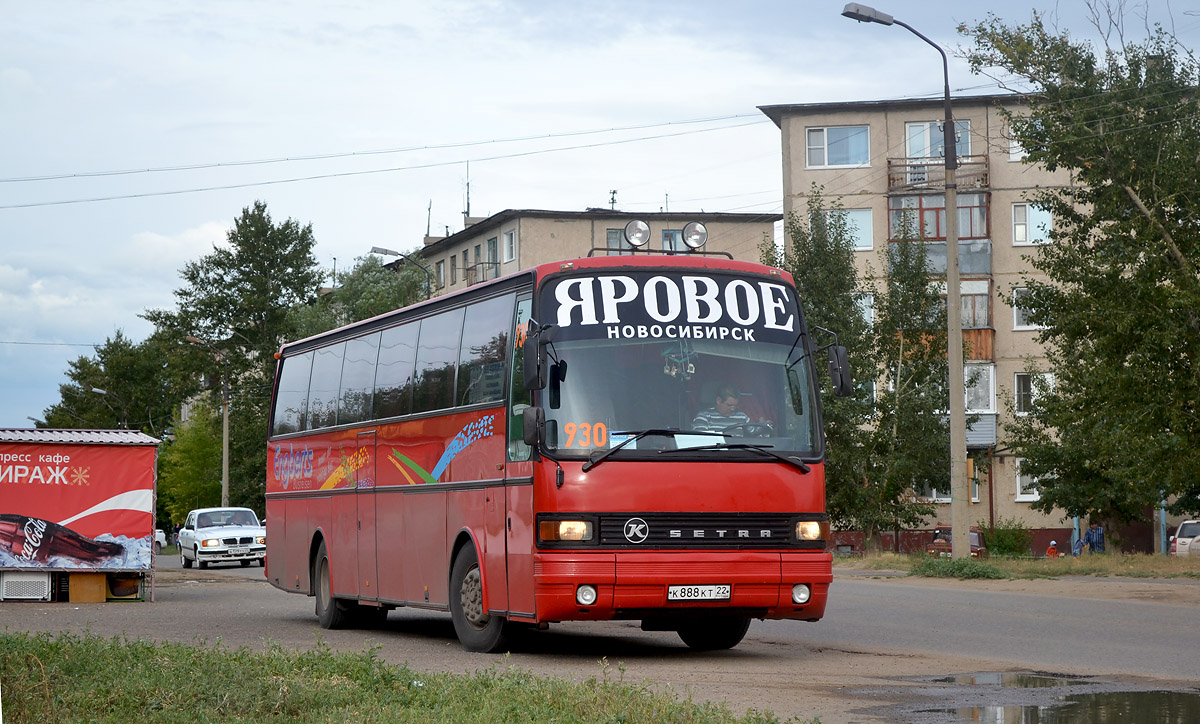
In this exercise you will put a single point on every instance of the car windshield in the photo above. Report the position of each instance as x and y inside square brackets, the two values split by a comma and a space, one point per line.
[674, 385]
[227, 517]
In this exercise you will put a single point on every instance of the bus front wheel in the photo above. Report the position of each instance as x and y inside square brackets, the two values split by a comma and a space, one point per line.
[330, 612]
[711, 634]
[476, 630]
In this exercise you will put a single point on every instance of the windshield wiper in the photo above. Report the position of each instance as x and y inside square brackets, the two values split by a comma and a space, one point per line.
[598, 457]
[764, 449]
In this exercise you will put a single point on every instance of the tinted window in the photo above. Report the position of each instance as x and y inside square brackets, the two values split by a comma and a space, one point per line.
[358, 379]
[482, 354]
[323, 388]
[437, 352]
[291, 399]
[394, 372]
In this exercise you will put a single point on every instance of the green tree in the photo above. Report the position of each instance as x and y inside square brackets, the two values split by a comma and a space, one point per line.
[368, 289]
[889, 439]
[189, 468]
[1117, 290]
[238, 299]
[122, 386]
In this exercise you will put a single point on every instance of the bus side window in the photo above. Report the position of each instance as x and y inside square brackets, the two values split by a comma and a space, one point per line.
[437, 356]
[394, 373]
[482, 351]
[519, 398]
[291, 399]
[323, 387]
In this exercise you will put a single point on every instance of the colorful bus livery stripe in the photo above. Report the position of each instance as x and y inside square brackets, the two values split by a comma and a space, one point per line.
[479, 429]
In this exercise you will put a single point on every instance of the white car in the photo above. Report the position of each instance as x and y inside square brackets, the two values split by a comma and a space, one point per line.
[222, 535]
[160, 540]
[1186, 541]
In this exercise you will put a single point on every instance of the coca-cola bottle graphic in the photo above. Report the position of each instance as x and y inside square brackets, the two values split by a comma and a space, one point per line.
[36, 540]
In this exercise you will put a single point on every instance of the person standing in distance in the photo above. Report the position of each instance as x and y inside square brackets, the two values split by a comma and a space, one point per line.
[1094, 538]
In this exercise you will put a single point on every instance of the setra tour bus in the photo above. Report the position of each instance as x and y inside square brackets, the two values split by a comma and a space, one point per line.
[633, 437]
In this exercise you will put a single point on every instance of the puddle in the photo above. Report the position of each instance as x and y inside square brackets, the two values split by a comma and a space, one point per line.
[1127, 707]
[1009, 679]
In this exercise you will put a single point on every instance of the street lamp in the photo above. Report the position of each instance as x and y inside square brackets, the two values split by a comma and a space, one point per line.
[960, 543]
[224, 414]
[106, 394]
[422, 267]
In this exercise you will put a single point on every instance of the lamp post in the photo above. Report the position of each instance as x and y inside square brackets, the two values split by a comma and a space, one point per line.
[224, 414]
[107, 394]
[419, 265]
[960, 543]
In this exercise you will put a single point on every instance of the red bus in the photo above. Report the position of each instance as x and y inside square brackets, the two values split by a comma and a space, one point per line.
[633, 437]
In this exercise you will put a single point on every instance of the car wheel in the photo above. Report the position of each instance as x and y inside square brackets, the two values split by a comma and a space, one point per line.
[157, 548]
[477, 631]
[184, 560]
[711, 634]
[245, 564]
[202, 564]
[262, 562]
[330, 612]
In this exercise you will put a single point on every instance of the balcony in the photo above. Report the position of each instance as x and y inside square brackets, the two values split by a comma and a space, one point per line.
[481, 271]
[921, 175]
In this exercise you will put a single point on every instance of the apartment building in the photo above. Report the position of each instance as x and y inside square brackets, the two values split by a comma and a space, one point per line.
[884, 161]
[517, 239]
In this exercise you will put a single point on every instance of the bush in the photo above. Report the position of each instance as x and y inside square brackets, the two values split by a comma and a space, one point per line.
[955, 568]
[1008, 537]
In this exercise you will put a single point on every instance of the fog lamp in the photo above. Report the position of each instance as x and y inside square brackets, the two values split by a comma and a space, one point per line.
[801, 593]
[637, 232]
[585, 595]
[694, 234]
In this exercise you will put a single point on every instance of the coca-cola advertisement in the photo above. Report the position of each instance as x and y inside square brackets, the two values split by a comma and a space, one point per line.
[77, 506]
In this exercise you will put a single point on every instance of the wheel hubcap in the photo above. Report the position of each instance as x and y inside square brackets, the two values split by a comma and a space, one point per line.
[471, 598]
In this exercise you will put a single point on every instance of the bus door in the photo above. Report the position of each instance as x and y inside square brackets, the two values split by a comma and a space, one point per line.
[518, 483]
[364, 483]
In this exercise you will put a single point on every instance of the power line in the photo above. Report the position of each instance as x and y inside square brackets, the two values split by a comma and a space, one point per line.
[342, 174]
[49, 344]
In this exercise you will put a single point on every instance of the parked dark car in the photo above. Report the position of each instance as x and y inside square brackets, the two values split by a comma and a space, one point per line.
[940, 545]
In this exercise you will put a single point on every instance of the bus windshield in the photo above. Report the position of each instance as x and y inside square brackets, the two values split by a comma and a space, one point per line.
[711, 363]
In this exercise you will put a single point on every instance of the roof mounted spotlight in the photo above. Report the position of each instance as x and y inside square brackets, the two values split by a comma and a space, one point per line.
[694, 234]
[637, 233]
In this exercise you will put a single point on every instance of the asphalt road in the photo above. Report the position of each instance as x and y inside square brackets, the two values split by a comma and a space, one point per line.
[883, 639]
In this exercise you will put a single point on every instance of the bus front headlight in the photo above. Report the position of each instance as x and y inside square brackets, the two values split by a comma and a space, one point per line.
[812, 530]
[565, 530]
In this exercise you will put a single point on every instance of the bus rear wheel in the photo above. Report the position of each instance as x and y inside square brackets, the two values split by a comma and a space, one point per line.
[476, 630]
[711, 634]
[330, 612]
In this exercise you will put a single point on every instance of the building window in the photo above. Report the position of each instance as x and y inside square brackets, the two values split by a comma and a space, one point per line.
[866, 307]
[975, 299]
[838, 146]
[1027, 490]
[1027, 388]
[926, 139]
[441, 274]
[980, 388]
[924, 217]
[510, 246]
[1021, 310]
[466, 263]
[454, 268]
[1016, 152]
[616, 243]
[862, 230]
[1031, 224]
[672, 240]
[493, 257]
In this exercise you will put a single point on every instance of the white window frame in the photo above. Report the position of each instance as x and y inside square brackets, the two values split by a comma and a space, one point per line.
[441, 274]
[866, 307]
[1018, 326]
[932, 134]
[672, 240]
[1016, 152]
[861, 223]
[1033, 388]
[987, 372]
[1024, 493]
[510, 246]
[823, 145]
[1028, 220]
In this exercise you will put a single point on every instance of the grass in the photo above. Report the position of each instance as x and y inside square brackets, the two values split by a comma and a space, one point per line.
[1131, 566]
[85, 678]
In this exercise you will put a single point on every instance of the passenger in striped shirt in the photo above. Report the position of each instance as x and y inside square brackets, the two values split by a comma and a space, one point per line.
[723, 413]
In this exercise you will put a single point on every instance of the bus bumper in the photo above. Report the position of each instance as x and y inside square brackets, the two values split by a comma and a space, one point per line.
[635, 585]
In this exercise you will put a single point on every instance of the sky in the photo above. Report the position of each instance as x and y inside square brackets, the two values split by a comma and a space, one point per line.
[132, 134]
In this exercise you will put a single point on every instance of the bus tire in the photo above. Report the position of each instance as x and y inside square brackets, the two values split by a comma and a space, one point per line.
[330, 612]
[476, 630]
[712, 634]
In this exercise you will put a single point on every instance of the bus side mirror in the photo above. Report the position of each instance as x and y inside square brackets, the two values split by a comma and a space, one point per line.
[839, 371]
[533, 427]
[533, 352]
